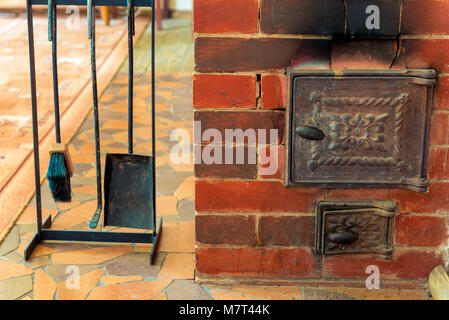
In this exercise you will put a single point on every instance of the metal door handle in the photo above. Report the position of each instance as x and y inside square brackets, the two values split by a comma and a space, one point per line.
[310, 133]
[345, 237]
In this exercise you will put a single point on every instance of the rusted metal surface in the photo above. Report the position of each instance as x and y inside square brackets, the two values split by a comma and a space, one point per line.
[128, 191]
[374, 126]
[354, 227]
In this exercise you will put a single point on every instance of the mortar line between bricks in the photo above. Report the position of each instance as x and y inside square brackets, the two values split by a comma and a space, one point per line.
[243, 109]
[240, 213]
[239, 73]
[304, 214]
[266, 73]
[216, 144]
[423, 214]
[323, 264]
[439, 111]
[404, 247]
[249, 110]
[309, 36]
[256, 230]
[224, 108]
[219, 179]
[202, 245]
[329, 282]
[438, 181]
[263, 36]
[426, 36]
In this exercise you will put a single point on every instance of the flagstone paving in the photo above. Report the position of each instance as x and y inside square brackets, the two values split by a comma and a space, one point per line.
[122, 271]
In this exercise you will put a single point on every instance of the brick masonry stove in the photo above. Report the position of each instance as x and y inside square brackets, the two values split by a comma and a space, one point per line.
[294, 224]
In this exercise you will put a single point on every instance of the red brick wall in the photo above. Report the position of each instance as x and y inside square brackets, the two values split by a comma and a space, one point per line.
[250, 226]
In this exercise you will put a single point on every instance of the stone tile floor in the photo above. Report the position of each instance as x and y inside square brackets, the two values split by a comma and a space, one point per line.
[123, 271]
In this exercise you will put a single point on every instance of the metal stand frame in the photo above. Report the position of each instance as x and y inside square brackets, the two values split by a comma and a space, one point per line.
[43, 233]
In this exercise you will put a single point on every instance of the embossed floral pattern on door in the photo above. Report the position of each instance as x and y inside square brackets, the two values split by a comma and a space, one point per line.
[359, 131]
[362, 131]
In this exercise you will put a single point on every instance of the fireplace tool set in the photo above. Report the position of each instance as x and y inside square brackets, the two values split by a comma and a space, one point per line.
[130, 179]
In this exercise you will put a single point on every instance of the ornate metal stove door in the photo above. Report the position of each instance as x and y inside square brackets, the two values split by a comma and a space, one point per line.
[354, 226]
[359, 129]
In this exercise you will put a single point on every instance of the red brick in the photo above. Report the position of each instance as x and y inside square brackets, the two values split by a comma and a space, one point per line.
[438, 164]
[427, 53]
[214, 54]
[366, 54]
[313, 55]
[436, 199]
[365, 194]
[246, 170]
[224, 91]
[225, 16]
[225, 229]
[442, 94]
[425, 17]
[274, 91]
[439, 129]
[244, 120]
[264, 157]
[295, 231]
[420, 231]
[260, 263]
[405, 264]
[302, 17]
[254, 196]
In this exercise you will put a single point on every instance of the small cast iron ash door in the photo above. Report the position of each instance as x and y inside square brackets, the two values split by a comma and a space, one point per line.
[364, 128]
[354, 226]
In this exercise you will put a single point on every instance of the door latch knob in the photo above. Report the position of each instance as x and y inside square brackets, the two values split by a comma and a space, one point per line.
[310, 133]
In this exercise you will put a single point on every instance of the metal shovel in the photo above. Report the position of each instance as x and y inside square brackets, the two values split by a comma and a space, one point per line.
[129, 179]
[128, 183]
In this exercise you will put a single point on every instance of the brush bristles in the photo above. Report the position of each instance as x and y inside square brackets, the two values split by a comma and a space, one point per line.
[59, 178]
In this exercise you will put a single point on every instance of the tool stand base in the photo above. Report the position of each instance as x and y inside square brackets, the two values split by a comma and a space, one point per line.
[94, 236]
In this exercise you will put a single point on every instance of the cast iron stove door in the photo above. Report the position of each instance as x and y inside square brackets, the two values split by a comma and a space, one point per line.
[354, 226]
[362, 128]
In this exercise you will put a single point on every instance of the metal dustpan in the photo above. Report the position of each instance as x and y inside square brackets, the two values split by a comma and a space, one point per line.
[129, 179]
[128, 191]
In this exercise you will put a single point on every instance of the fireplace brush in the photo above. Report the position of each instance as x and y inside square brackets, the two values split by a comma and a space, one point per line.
[60, 168]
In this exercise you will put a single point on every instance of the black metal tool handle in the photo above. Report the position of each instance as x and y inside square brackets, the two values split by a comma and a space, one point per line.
[50, 19]
[153, 108]
[91, 35]
[34, 117]
[310, 133]
[52, 36]
[131, 33]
